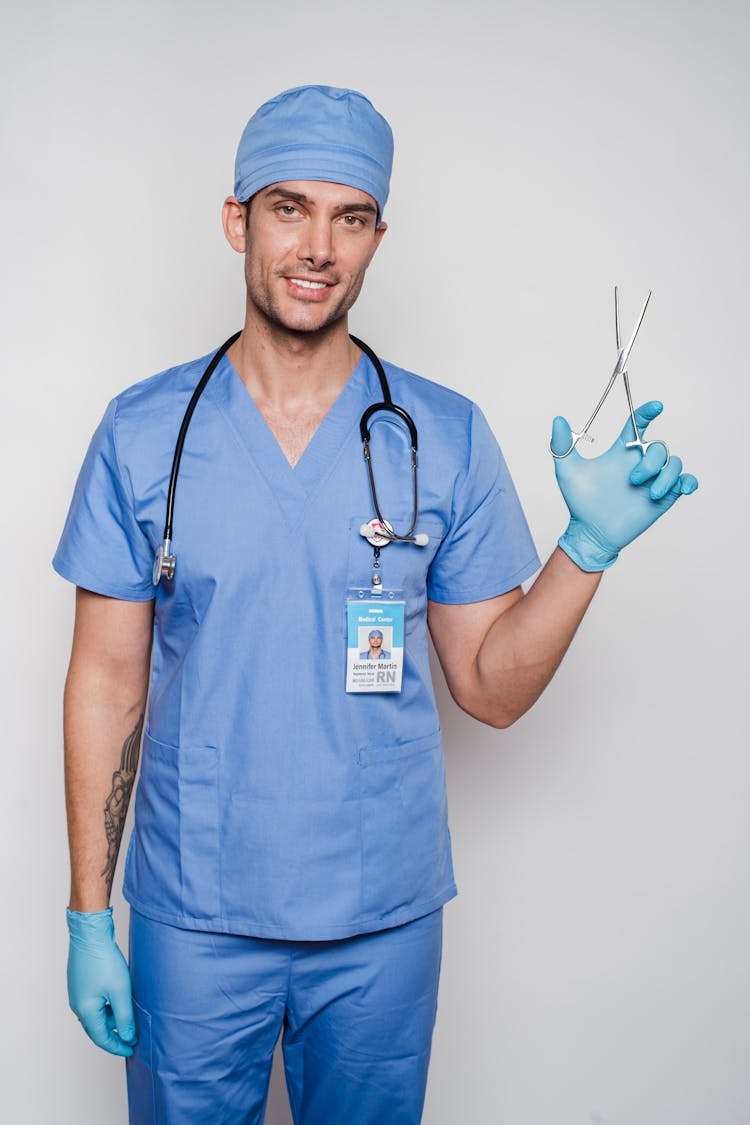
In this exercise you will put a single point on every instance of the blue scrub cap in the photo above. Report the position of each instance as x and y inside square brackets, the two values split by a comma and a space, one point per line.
[374, 633]
[316, 133]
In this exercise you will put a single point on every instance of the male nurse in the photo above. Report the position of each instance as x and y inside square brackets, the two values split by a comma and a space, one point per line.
[291, 857]
[375, 651]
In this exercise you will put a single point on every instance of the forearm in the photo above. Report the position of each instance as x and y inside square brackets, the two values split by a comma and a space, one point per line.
[103, 724]
[525, 645]
[105, 699]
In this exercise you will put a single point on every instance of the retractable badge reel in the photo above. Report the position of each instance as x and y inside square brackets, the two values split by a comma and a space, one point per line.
[375, 616]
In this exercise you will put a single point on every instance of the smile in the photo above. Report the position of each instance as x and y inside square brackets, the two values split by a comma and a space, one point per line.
[308, 284]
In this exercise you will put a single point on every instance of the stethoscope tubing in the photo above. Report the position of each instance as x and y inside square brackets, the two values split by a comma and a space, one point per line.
[165, 562]
[216, 359]
[387, 403]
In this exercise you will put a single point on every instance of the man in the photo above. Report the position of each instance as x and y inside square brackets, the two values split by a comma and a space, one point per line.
[375, 651]
[291, 857]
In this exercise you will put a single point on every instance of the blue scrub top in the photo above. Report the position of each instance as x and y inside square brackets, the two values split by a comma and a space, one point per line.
[271, 802]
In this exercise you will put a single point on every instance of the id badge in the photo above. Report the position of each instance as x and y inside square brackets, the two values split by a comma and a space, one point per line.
[375, 640]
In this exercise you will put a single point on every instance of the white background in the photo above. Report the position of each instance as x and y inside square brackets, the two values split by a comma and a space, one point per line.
[596, 961]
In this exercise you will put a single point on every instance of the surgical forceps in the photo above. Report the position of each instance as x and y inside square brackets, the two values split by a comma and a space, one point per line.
[621, 368]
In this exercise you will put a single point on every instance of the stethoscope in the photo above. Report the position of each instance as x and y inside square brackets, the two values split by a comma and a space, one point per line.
[378, 532]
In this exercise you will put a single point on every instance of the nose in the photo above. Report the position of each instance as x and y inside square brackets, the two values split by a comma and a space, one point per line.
[316, 248]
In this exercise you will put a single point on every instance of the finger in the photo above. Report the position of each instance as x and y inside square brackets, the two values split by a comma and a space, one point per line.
[643, 415]
[650, 465]
[94, 1021]
[683, 486]
[667, 479]
[122, 1012]
[562, 437]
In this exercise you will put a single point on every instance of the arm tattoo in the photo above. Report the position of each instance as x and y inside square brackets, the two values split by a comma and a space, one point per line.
[116, 806]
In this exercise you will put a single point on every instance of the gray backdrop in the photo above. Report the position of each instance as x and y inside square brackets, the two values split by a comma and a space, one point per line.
[595, 968]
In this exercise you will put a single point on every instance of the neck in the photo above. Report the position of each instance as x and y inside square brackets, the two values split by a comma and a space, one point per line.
[284, 369]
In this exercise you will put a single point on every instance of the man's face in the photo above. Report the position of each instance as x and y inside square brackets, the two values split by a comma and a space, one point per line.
[309, 244]
[376, 642]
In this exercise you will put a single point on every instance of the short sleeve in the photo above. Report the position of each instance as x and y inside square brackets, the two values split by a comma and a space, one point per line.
[488, 548]
[102, 547]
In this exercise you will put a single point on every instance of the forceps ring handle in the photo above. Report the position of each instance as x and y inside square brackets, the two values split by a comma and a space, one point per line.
[574, 439]
[639, 443]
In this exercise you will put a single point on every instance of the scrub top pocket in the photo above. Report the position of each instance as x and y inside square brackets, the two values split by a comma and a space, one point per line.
[405, 840]
[173, 861]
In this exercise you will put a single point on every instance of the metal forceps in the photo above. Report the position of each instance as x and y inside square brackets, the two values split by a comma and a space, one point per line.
[621, 368]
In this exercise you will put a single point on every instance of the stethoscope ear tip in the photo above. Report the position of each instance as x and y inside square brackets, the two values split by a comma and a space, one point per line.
[421, 540]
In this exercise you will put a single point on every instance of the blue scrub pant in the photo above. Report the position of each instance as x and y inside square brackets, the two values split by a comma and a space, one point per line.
[356, 1019]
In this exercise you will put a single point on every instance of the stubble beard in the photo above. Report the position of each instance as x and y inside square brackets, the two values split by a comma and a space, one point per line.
[264, 301]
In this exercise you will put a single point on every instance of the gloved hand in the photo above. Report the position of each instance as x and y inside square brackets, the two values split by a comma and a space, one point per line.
[99, 982]
[613, 498]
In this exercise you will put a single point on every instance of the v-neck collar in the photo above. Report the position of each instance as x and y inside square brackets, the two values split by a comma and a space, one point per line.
[292, 488]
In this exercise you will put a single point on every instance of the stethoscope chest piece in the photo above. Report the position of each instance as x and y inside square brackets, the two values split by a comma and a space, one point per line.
[164, 562]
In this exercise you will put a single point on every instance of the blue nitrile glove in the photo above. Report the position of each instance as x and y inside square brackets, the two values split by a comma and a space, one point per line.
[99, 982]
[615, 497]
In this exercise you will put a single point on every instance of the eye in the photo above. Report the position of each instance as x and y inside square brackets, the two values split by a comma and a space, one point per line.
[352, 220]
[287, 210]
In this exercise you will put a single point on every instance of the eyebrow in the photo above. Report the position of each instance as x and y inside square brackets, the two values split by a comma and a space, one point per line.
[298, 197]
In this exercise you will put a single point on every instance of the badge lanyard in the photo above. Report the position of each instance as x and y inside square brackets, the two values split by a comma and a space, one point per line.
[375, 623]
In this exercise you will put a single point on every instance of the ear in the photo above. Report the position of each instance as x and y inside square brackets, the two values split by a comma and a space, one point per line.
[234, 221]
[380, 230]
